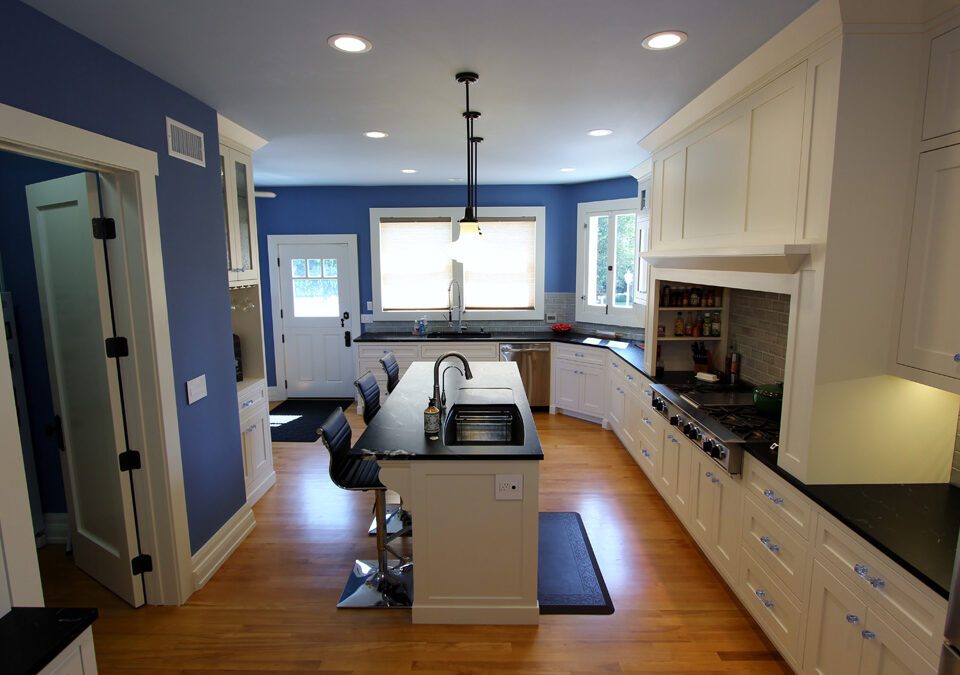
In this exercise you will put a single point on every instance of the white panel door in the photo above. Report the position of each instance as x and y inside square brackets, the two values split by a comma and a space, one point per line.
[318, 292]
[77, 319]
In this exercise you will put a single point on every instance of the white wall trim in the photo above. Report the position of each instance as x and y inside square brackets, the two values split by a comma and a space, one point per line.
[274, 241]
[454, 213]
[56, 527]
[218, 548]
[228, 129]
[132, 173]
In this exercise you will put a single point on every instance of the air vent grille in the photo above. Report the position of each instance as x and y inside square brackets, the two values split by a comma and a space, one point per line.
[185, 143]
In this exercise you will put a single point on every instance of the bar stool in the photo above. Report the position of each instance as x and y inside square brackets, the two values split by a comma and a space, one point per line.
[397, 519]
[372, 583]
[369, 391]
[392, 368]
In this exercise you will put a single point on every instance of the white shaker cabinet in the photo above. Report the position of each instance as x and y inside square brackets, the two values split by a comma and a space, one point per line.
[941, 113]
[714, 519]
[580, 380]
[240, 220]
[930, 323]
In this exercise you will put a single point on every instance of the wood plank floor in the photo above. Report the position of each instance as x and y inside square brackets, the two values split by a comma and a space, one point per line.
[271, 607]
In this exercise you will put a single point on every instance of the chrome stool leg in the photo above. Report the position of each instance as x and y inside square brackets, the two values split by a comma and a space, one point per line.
[376, 583]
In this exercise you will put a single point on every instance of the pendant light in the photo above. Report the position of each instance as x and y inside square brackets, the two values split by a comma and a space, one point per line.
[469, 239]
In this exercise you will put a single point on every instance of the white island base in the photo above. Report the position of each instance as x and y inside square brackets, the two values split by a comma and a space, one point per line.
[474, 556]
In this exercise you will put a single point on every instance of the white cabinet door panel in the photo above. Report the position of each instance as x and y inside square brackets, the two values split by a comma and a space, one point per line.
[835, 617]
[942, 110]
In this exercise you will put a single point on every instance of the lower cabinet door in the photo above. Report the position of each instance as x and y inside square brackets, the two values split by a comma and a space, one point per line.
[257, 450]
[567, 378]
[615, 405]
[648, 457]
[728, 494]
[703, 506]
[891, 651]
[594, 379]
[836, 617]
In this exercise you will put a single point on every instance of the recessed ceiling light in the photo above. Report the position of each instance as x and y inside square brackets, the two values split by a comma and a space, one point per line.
[599, 132]
[354, 44]
[375, 134]
[664, 40]
[408, 170]
[568, 169]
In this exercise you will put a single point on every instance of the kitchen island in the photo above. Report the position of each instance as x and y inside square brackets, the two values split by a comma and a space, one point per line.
[474, 546]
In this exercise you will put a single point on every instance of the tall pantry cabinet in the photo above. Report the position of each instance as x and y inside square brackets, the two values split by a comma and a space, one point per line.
[243, 277]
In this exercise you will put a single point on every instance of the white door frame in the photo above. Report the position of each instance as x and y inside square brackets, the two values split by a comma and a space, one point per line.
[274, 241]
[129, 195]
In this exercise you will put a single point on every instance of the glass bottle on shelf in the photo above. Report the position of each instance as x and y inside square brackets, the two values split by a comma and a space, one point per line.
[678, 325]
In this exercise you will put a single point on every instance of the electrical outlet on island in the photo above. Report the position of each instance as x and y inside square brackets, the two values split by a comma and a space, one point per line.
[509, 486]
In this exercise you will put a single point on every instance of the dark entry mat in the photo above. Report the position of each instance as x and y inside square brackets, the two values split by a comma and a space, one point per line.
[307, 415]
[568, 577]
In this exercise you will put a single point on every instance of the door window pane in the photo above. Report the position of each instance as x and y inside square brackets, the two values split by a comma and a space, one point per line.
[316, 298]
[624, 269]
[314, 268]
[298, 268]
[330, 268]
[597, 261]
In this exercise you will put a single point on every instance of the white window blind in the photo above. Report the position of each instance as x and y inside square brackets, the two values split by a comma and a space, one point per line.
[415, 267]
[505, 275]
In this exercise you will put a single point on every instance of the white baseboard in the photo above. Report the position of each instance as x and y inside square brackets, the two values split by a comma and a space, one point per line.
[215, 552]
[276, 394]
[581, 416]
[261, 489]
[57, 527]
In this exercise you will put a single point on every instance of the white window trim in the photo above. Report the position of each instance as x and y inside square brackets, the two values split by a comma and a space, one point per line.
[635, 316]
[455, 213]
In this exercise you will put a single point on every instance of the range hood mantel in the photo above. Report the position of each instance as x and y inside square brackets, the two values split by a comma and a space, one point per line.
[771, 259]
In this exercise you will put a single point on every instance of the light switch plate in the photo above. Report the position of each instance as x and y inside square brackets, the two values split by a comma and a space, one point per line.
[366, 318]
[196, 389]
[550, 318]
[509, 486]
[369, 305]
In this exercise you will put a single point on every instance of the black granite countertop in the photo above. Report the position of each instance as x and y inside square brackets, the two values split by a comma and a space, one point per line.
[397, 430]
[31, 637]
[632, 353]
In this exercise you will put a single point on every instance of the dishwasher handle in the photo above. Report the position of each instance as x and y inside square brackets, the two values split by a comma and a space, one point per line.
[519, 350]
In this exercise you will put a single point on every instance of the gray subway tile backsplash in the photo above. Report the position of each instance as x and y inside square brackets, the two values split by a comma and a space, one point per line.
[758, 331]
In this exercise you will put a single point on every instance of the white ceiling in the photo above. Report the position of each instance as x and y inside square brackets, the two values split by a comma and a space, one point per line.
[550, 70]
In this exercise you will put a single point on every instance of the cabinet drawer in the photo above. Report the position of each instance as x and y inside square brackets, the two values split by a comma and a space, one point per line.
[580, 354]
[784, 553]
[252, 396]
[405, 352]
[486, 351]
[647, 456]
[651, 426]
[771, 606]
[882, 583]
[646, 392]
[778, 497]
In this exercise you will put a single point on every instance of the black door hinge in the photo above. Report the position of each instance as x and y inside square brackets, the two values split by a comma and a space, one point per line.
[142, 563]
[285, 385]
[283, 338]
[129, 460]
[278, 262]
[104, 228]
[57, 429]
[281, 313]
[117, 347]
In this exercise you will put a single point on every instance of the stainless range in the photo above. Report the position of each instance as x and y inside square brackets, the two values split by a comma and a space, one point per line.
[719, 422]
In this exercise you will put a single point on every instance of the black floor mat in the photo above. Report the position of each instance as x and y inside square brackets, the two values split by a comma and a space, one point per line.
[568, 578]
[308, 414]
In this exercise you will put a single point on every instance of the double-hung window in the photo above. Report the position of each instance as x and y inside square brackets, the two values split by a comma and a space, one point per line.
[418, 271]
[611, 276]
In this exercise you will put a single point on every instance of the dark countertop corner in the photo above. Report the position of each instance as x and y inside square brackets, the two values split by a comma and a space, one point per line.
[31, 637]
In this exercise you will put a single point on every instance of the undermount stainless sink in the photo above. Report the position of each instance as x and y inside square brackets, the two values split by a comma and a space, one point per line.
[483, 417]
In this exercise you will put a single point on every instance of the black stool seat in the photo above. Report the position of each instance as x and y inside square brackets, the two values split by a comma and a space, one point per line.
[369, 390]
[392, 369]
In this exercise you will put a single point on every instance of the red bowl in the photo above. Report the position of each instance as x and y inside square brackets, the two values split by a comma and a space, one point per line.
[561, 327]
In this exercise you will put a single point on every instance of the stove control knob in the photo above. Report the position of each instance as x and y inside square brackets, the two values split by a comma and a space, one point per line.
[658, 404]
[721, 452]
[709, 446]
[689, 430]
[675, 420]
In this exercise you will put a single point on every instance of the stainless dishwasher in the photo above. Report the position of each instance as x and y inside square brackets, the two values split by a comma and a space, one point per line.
[533, 360]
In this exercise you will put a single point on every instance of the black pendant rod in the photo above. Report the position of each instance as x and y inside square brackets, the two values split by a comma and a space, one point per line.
[467, 78]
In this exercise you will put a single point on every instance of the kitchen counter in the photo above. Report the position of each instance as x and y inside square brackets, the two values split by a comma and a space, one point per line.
[632, 353]
[32, 637]
[397, 430]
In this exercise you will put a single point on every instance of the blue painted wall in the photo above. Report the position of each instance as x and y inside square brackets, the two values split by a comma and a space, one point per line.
[55, 72]
[19, 277]
[346, 210]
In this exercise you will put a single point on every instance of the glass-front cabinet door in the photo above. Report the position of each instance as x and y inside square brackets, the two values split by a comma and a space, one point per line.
[236, 173]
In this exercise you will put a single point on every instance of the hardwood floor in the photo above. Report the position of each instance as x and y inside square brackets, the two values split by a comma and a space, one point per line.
[271, 607]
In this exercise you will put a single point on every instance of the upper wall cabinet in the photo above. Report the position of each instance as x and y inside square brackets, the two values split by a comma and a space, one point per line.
[240, 220]
[942, 112]
[930, 323]
[740, 177]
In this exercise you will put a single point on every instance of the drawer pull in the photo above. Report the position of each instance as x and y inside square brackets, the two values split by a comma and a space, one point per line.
[864, 572]
[644, 452]
[714, 480]
[709, 474]
[672, 439]
[853, 618]
[769, 604]
[646, 420]
[630, 377]
[647, 392]
[769, 494]
[956, 358]
[249, 429]
[247, 404]
[868, 634]
[614, 364]
[774, 548]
